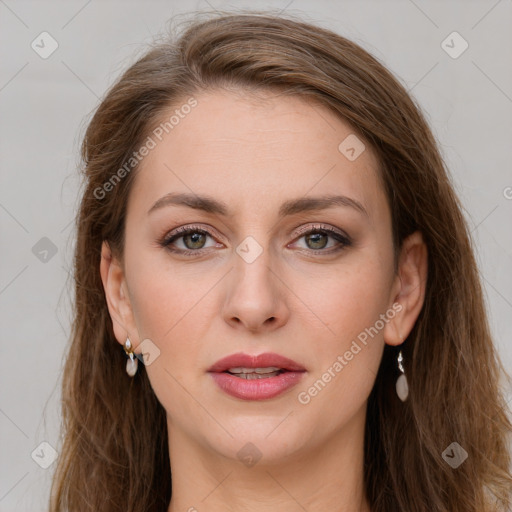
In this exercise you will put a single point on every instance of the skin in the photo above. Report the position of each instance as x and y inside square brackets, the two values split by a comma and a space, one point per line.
[254, 152]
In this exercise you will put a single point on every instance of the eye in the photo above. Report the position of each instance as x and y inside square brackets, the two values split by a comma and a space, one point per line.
[191, 238]
[317, 239]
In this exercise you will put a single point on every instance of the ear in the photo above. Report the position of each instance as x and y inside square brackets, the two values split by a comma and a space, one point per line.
[116, 294]
[408, 290]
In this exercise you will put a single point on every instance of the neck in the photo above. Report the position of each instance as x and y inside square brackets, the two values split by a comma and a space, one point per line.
[323, 477]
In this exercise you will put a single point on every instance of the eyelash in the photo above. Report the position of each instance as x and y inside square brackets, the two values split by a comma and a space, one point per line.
[344, 240]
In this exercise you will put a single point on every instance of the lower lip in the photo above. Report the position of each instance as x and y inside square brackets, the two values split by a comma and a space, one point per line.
[256, 389]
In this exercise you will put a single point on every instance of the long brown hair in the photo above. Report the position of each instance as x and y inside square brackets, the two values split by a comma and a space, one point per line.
[114, 455]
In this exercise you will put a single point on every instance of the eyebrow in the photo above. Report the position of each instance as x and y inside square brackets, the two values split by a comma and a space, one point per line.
[290, 207]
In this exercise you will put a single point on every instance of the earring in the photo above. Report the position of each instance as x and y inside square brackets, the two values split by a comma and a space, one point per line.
[133, 362]
[402, 388]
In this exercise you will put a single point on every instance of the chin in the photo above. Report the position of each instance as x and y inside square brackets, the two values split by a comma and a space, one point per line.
[262, 440]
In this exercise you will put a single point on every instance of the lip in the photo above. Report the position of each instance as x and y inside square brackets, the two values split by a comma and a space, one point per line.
[256, 389]
[255, 361]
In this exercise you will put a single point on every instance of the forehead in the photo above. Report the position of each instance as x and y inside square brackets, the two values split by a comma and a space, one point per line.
[252, 149]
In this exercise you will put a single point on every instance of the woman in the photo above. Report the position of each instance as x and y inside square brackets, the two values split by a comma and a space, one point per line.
[268, 235]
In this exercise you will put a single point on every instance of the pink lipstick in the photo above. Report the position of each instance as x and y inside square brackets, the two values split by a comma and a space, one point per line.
[256, 377]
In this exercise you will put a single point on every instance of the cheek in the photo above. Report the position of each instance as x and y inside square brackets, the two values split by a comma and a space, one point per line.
[175, 306]
[170, 312]
[351, 299]
[167, 299]
[353, 307]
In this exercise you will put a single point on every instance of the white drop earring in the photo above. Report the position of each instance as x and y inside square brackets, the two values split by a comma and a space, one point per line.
[132, 362]
[402, 388]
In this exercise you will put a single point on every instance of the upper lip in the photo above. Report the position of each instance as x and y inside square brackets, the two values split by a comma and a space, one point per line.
[266, 360]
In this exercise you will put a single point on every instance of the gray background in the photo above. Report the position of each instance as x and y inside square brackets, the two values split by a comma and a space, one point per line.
[44, 106]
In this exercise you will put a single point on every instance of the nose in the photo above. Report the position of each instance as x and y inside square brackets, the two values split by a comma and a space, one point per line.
[255, 296]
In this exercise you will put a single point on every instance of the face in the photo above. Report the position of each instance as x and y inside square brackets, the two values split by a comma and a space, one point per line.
[269, 271]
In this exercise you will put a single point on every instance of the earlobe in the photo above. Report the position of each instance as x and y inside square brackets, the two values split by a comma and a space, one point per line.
[112, 276]
[409, 288]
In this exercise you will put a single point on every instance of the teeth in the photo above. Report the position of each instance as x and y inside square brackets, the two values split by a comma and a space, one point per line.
[270, 369]
[251, 376]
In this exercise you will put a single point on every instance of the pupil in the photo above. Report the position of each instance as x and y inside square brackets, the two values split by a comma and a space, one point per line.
[196, 239]
[314, 238]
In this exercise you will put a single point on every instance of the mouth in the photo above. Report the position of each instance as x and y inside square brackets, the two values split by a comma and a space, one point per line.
[260, 377]
[256, 373]
[261, 364]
